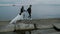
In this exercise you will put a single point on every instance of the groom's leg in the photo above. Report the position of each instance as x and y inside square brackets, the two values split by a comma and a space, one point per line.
[29, 14]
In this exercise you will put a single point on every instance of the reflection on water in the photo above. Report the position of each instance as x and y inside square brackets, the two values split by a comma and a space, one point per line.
[11, 32]
[8, 33]
[17, 32]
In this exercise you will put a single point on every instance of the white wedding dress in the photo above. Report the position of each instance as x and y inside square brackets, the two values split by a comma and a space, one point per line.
[23, 16]
[18, 17]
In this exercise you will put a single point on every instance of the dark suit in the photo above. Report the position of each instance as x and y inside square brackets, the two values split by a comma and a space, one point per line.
[29, 11]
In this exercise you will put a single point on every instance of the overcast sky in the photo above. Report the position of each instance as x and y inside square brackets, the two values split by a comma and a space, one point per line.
[32, 1]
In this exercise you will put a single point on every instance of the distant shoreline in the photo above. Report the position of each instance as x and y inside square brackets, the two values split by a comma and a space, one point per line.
[40, 19]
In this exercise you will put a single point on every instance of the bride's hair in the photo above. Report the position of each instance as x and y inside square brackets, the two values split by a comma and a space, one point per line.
[19, 13]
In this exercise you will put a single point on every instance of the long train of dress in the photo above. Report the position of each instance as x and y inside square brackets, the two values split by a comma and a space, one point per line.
[18, 17]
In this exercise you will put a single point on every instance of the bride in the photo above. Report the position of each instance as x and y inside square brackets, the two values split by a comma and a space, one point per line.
[20, 16]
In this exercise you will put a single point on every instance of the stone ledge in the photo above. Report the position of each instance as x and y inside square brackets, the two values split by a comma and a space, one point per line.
[46, 31]
[22, 26]
[44, 26]
[55, 33]
[7, 28]
[57, 25]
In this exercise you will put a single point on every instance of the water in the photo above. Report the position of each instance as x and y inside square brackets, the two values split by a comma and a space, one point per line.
[38, 11]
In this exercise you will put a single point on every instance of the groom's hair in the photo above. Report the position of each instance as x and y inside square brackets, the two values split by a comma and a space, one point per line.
[30, 5]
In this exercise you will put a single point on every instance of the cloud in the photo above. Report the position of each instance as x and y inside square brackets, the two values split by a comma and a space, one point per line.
[8, 0]
[33, 1]
[45, 1]
[39, 1]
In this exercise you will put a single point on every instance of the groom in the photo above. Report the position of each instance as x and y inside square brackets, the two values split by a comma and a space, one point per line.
[29, 11]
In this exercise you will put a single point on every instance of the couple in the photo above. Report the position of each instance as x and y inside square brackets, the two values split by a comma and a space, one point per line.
[21, 15]
[28, 10]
